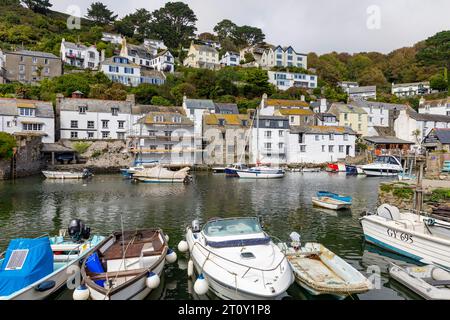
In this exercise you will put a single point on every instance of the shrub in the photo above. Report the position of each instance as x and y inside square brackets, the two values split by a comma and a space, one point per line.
[404, 193]
[81, 147]
[440, 194]
[97, 154]
[7, 143]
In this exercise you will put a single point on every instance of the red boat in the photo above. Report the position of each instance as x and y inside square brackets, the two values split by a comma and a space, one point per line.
[332, 167]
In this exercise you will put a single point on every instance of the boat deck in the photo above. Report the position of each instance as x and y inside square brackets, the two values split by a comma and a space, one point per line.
[316, 270]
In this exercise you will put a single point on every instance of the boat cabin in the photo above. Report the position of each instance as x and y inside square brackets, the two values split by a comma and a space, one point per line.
[387, 160]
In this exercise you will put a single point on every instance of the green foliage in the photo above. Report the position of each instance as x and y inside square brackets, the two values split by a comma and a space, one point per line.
[160, 101]
[81, 147]
[441, 194]
[403, 193]
[249, 57]
[438, 82]
[96, 154]
[39, 6]
[386, 187]
[7, 143]
[100, 14]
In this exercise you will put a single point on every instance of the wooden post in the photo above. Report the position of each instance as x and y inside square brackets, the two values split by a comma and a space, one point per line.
[419, 190]
[53, 158]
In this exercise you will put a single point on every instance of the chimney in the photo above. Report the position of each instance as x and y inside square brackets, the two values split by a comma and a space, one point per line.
[77, 94]
[422, 101]
[102, 55]
[131, 98]
[302, 98]
[184, 100]
[323, 105]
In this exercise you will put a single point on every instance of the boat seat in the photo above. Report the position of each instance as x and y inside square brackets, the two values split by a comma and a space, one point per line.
[437, 283]
[134, 250]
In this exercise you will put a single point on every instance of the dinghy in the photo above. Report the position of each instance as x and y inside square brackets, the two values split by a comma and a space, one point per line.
[429, 282]
[418, 237]
[159, 174]
[320, 271]
[330, 203]
[261, 172]
[126, 265]
[236, 260]
[33, 269]
[311, 170]
[335, 196]
[67, 174]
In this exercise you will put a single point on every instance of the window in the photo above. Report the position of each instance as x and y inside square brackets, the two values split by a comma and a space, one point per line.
[292, 119]
[105, 124]
[90, 125]
[73, 134]
[82, 109]
[268, 146]
[381, 120]
[74, 124]
[46, 61]
[21, 58]
[176, 119]
[331, 136]
[105, 135]
[280, 124]
[28, 112]
[267, 123]
[21, 68]
[268, 134]
[370, 119]
[121, 124]
[167, 133]
[221, 122]
[301, 138]
[32, 126]
[34, 60]
[317, 138]
[90, 135]
[323, 148]
[359, 127]
[168, 147]
[341, 149]
[121, 135]
[280, 133]
[158, 119]
[244, 123]
[115, 111]
[281, 145]
[345, 137]
[153, 147]
[345, 116]
[330, 148]
[151, 133]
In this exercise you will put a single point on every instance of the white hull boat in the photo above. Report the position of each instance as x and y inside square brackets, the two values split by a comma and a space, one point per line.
[330, 203]
[384, 166]
[320, 271]
[418, 237]
[429, 282]
[64, 258]
[127, 265]
[65, 174]
[311, 170]
[159, 174]
[236, 260]
[261, 173]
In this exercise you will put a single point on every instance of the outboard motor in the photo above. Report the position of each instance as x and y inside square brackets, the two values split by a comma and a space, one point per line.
[78, 231]
[195, 226]
[296, 240]
[86, 173]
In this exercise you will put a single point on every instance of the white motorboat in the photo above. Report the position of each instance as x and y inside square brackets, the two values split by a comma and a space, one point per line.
[261, 172]
[67, 174]
[330, 203]
[159, 174]
[429, 282]
[311, 170]
[383, 166]
[418, 237]
[320, 271]
[127, 265]
[235, 259]
[33, 269]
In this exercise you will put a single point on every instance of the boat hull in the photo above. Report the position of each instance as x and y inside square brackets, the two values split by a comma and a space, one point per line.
[159, 180]
[62, 175]
[394, 237]
[275, 174]
[335, 205]
[381, 172]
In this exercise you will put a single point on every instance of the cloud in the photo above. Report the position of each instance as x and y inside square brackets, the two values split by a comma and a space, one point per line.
[312, 25]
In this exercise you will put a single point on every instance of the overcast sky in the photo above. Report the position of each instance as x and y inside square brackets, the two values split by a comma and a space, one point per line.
[312, 25]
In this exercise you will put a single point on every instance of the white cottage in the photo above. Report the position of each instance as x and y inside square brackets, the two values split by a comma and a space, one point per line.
[79, 55]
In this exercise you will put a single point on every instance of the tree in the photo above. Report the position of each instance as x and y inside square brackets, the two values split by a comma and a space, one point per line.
[174, 23]
[436, 51]
[137, 23]
[38, 6]
[247, 36]
[9, 2]
[160, 101]
[100, 14]
[438, 82]
[225, 29]
[7, 143]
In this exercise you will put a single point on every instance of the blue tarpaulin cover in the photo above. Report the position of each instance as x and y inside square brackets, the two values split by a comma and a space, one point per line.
[37, 258]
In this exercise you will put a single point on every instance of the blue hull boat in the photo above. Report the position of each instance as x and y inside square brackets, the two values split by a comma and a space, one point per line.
[335, 196]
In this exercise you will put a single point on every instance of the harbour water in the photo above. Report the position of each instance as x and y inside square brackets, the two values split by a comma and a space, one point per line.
[34, 206]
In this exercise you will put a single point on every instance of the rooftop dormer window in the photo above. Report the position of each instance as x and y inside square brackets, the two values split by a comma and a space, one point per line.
[82, 109]
[26, 112]
[115, 111]
[176, 119]
[221, 122]
[158, 118]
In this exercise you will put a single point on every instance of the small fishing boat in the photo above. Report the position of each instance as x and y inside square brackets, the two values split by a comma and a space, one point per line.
[336, 167]
[129, 172]
[33, 269]
[67, 174]
[236, 260]
[384, 166]
[126, 265]
[353, 170]
[406, 177]
[231, 171]
[330, 203]
[311, 170]
[429, 282]
[218, 169]
[320, 271]
[159, 174]
[409, 234]
[335, 196]
[261, 172]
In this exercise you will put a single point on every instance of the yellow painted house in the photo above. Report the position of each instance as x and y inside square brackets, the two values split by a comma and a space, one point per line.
[352, 116]
[202, 56]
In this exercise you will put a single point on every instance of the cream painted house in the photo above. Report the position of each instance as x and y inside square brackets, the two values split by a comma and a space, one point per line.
[202, 56]
[352, 116]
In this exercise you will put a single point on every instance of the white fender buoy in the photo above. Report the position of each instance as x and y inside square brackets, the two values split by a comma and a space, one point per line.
[167, 238]
[190, 268]
[171, 256]
[152, 280]
[182, 264]
[183, 246]
[201, 285]
[81, 293]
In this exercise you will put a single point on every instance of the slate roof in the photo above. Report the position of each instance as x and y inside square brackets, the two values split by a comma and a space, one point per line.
[95, 105]
[150, 73]
[321, 116]
[200, 104]
[347, 108]
[362, 89]
[144, 109]
[286, 103]
[400, 85]
[386, 140]
[296, 112]
[386, 106]
[230, 119]
[322, 130]
[273, 122]
[38, 54]
[226, 108]
[75, 46]
[168, 119]
[9, 107]
[203, 47]
[443, 135]
[436, 103]
[427, 117]
[139, 51]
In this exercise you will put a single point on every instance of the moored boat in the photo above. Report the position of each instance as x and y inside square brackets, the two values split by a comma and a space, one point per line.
[126, 265]
[383, 166]
[418, 237]
[261, 172]
[67, 174]
[231, 171]
[320, 271]
[33, 269]
[336, 196]
[235, 259]
[330, 203]
[429, 282]
[159, 174]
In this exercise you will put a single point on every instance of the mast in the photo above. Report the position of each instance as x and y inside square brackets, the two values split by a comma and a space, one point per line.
[257, 136]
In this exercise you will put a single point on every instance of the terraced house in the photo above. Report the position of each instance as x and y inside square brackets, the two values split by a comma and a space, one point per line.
[31, 66]
[286, 80]
[438, 107]
[164, 134]
[28, 117]
[226, 138]
[202, 56]
[283, 57]
[79, 55]
[350, 115]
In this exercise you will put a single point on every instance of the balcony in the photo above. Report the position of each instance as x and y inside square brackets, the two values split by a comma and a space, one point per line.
[74, 56]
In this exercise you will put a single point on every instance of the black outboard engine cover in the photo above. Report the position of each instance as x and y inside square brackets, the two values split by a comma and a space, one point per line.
[78, 231]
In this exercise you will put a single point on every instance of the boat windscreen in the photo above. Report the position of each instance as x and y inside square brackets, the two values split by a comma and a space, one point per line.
[232, 227]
